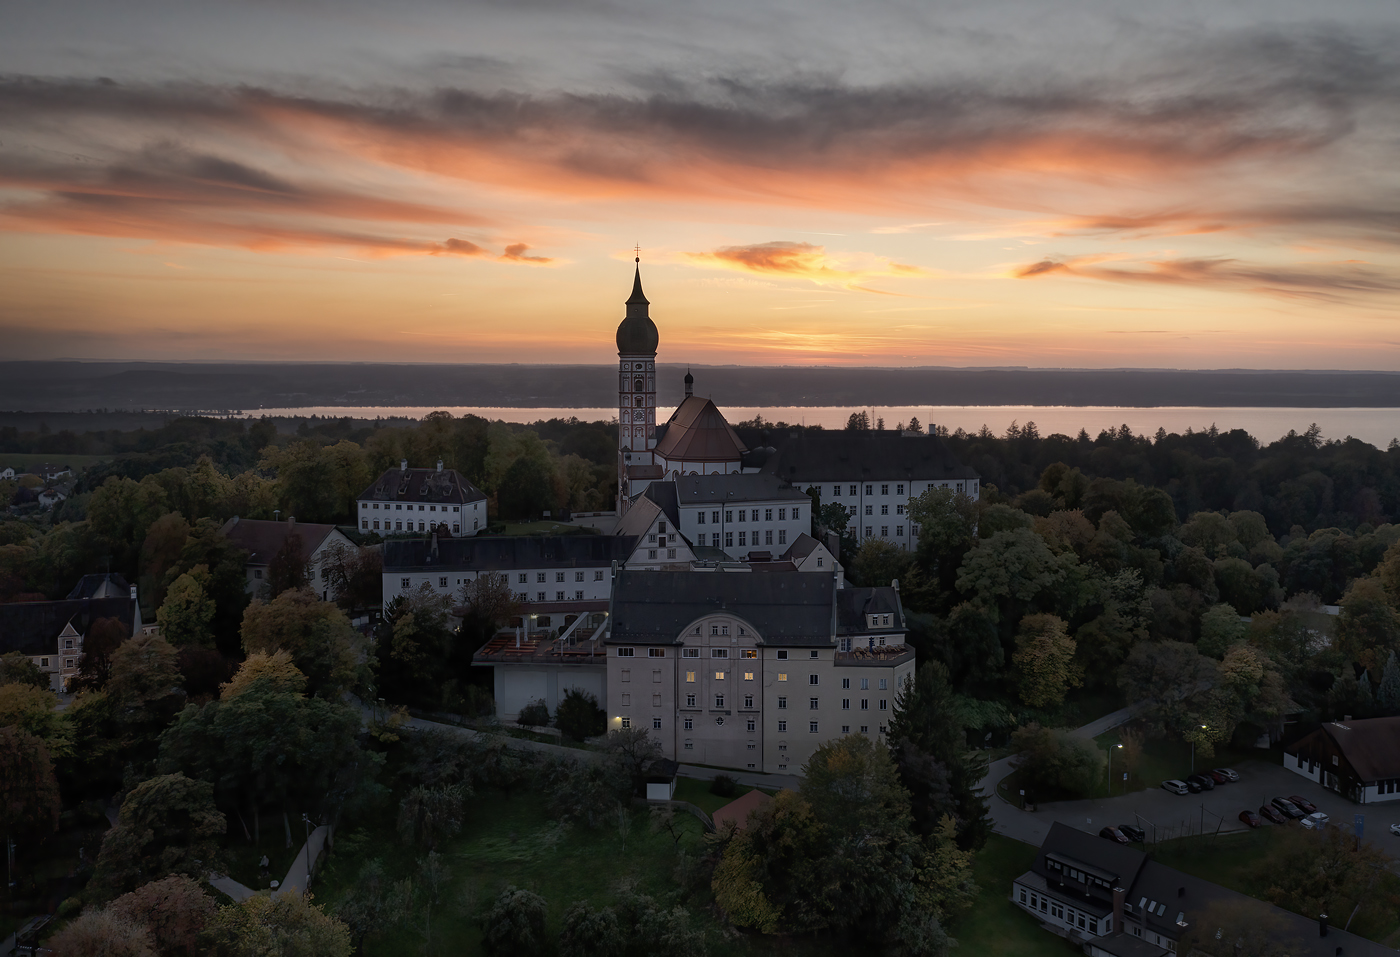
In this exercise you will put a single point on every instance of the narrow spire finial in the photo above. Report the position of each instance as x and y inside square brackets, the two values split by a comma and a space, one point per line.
[637, 249]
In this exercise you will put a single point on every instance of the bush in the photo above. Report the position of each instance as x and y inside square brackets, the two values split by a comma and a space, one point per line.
[1055, 761]
[514, 925]
[579, 715]
[724, 786]
[533, 715]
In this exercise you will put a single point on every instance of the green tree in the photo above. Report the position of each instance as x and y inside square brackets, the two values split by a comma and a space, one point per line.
[374, 905]
[1368, 628]
[187, 615]
[428, 816]
[287, 924]
[226, 581]
[590, 932]
[1221, 627]
[1009, 567]
[29, 795]
[317, 483]
[878, 562]
[929, 745]
[1044, 661]
[579, 715]
[31, 710]
[169, 825]
[947, 522]
[18, 668]
[514, 925]
[320, 639]
[104, 637]
[1051, 761]
[1170, 681]
[145, 693]
[288, 569]
[1388, 693]
[160, 551]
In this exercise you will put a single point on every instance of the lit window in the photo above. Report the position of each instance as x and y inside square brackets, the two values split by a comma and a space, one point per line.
[719, 675]
[782, 676]
[748, 675]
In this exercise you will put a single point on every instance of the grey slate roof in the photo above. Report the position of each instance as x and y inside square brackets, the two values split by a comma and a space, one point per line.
[1371, 745]
[724, 489]
[110, 585]
[423, 485]
[853, 604]
[783, 608]
[655, 607]
[864, 457]
[32, 626]
[262, 540]
[504, 553]
[664, 495]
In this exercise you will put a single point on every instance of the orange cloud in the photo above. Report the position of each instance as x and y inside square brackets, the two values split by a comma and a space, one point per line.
[515, 253]
[802, 261]
[1322, 281]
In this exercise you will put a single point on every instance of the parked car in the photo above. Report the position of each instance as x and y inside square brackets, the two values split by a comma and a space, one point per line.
[1176, 787]
[1270, 813]
[1250, 818]
[1215, 776]
[1315, 819]
[1303, 803]
[1395, 829]
[1287, 808]
[1205, 783]
[1229, 773]
[1133, 833]
[1113, 834]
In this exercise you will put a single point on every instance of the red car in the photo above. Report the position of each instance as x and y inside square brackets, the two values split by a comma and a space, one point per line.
[1273, 815]
[1216, 776]
[1250, 818]
[1114, 835]
[1303, 803]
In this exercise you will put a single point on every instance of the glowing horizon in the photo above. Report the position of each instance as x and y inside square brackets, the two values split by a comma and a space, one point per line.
[810, 185]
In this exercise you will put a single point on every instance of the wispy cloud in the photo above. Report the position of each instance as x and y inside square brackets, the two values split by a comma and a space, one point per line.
[804, 261]
[1323, 281]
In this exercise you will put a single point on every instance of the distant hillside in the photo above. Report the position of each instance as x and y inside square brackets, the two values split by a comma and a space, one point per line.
[69, 386]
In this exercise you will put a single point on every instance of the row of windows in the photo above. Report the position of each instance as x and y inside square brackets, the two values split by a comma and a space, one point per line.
[67, 662]
[635, 366]
[751, 725]
[1057, 910]
[398, 526]
[884, 510]
[884, 531]
[627, 651]
[869, 490]
[747, 515]
[544, 596]
[712, 539]
[541, 577]
[399, 507]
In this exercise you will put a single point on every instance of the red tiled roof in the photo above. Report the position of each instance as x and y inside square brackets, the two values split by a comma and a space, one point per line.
[697, 432]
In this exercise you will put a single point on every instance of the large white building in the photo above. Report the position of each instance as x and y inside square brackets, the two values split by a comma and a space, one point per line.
[406, 501]
[873, 474]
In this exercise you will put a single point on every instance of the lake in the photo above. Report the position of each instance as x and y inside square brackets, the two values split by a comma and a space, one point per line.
[1376, 426]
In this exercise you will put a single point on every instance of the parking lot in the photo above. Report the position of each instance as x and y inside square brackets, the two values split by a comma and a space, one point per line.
[1173, 815]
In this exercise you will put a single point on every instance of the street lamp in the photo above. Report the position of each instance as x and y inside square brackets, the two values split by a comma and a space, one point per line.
[1110, 770]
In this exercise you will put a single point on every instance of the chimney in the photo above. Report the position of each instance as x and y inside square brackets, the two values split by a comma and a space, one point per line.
[439, 465]
[1119, 895]
[1322, 925]
[403, 465]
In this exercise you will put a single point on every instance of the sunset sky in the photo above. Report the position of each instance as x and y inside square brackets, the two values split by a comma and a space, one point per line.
[1009, 182]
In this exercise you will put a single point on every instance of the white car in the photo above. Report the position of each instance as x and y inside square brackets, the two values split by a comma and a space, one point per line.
[1315, 819]
[1395, 829]
[1175, 786]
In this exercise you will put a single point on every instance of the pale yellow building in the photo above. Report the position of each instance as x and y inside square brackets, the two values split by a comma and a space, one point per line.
[752, 670]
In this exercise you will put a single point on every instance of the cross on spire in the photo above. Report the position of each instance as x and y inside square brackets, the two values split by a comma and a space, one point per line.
[638, 250]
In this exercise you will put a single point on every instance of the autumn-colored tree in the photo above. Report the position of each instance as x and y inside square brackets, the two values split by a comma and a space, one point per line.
[31, 710]
[1368, 629]
[103, 933]
[277, 669]
[282, 924]
[1044, 661]
[174, 909]
[169, 825]
[354, 576]
[322, 643]
[160, 551]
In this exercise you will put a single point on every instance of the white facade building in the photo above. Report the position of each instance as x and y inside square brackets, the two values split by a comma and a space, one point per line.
[405, 500]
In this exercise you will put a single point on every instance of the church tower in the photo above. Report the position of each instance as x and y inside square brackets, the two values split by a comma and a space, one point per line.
[636, 388]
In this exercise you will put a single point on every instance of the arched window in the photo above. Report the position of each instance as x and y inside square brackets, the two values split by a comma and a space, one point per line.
[639, 402]
[639, 386]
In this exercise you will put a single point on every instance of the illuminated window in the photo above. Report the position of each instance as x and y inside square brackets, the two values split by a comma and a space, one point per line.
[690, 677]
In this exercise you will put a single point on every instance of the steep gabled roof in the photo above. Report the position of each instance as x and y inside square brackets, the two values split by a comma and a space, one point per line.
[110, 585]
[1370, 745]
[263, 539]
[32, 626]
[698, 432]
[853, 604]
[444, 487]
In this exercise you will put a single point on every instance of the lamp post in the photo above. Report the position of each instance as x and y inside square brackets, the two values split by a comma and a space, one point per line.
[1110, 769]
[1193, 750]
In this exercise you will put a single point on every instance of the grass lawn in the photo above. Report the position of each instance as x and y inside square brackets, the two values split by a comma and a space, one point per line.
[697, 792]
[995, 926]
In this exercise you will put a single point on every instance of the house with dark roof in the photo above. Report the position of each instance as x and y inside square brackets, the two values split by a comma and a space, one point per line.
[744, 514]
[405, 501]
[1356, 757]
[51, 633]
[752, 671]
[313, 545]
[1116, 901]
